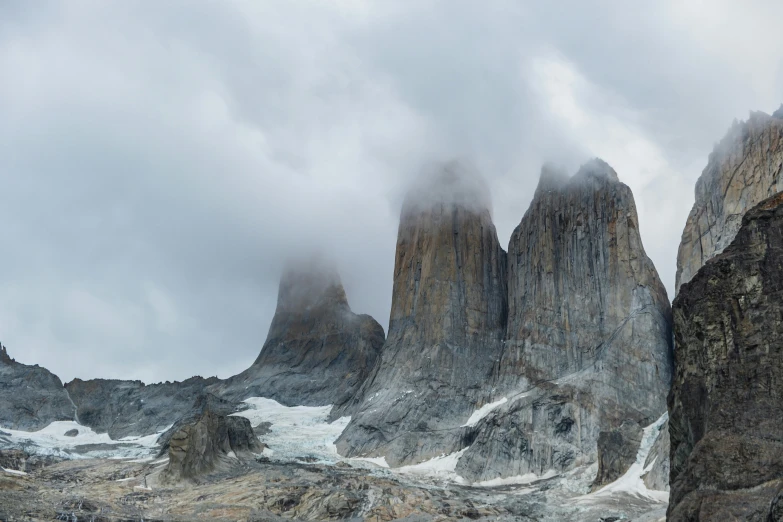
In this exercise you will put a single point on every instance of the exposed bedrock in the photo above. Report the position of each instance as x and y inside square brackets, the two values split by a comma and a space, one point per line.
[318, 352]
[446, 326]
[132, 408]
[726, 402]
[31, 397]
[588, 342]
[212, 442]
[744, 169]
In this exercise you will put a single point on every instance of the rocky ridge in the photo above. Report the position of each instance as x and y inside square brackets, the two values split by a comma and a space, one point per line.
[31, 397]
[726, 401]
[744, 169]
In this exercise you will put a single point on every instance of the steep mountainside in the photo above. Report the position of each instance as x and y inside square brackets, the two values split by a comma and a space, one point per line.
[31, 397]
[446, 326]
[726, 402]
[588, 343]
[744, 169]
[132, 408]
[318, 352]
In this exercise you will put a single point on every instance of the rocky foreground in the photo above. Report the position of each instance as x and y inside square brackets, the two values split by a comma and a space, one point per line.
[113, 490]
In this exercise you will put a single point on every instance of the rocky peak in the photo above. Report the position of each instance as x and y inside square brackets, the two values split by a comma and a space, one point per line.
[588, 338]
[317, 351]
[744, 169]
[552, 178]
[447, 320]
[31, 397]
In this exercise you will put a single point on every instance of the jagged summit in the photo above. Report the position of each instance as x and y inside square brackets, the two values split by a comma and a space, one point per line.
[744, 169]
[317, 351]
[31, 397]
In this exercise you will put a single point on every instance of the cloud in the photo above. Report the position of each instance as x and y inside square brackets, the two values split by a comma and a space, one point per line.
[160, 162]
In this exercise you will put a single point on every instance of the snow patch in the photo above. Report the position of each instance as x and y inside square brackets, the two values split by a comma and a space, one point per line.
[378, 461]
[519, 480]
[483, 412]
[296, 431]
[14, 471]
[631, 482]
[51, 440]
[442, 466]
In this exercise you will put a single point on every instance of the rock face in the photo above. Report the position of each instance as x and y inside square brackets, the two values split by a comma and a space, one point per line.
[132, 408]
[446, 326]
[588, 343]
[726, 402]
[617, 450]
[31, 397]
[318, 352]
[744, 169]
[211, 443]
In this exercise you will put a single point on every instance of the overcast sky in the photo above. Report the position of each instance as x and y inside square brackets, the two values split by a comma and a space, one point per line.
[160, 160]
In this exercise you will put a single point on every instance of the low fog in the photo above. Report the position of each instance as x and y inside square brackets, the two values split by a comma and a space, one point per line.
[160, 161]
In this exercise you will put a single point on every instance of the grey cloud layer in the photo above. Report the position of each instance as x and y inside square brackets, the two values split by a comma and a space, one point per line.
[160, 161]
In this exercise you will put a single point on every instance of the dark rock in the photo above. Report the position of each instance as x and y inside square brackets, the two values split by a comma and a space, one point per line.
[617, 450]
[588, 341]
[72, 433]
[726, 402]
[211, 443]
[31, 397]
[262, 429]
[318, 352]
[446, 326]
[132, 408]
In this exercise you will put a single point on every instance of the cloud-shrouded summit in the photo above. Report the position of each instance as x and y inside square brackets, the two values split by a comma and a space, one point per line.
[160, 163]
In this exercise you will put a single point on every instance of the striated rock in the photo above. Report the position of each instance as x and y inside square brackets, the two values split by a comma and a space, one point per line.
[132, 408]
[318, 352]
[744, 169]
[31, 397]
[657, 462]
[588, 342]
[617, 450]
[446, 325]
[726, 402]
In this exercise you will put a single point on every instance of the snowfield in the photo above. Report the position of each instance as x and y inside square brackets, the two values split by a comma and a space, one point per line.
[52, 440]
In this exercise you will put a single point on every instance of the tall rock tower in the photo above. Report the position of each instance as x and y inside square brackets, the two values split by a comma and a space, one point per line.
[317, 351]
[588, 342]
[446, 327]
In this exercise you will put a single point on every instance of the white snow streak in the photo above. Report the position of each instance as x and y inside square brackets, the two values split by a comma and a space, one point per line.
[483, 412]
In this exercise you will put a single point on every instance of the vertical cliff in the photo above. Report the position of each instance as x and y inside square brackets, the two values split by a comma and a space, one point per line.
[726, 402]
[588, 342]
[744, 169]
[446, 326]
[317, 351]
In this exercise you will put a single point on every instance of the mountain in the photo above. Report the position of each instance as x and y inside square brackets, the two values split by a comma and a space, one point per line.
[587, 351]
[31, 397]
[317, 352]
[726, 402]
[446, 326]
[744, 169]
[132, 408]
